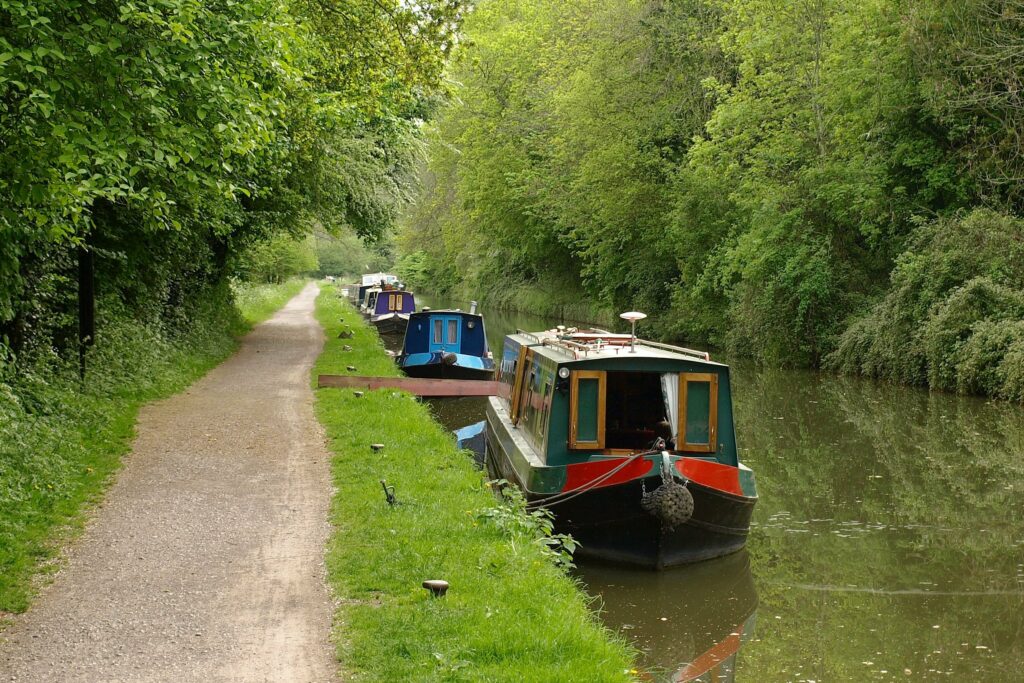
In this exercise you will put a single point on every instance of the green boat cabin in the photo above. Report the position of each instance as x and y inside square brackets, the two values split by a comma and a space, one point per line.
[580, 395]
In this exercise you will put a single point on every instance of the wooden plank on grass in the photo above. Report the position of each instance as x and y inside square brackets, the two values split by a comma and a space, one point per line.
[417, 385]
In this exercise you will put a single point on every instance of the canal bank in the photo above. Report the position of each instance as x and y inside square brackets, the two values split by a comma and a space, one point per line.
[887, 539]
[510, 613]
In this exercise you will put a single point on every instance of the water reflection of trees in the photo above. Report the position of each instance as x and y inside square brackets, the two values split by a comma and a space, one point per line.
[890, 522]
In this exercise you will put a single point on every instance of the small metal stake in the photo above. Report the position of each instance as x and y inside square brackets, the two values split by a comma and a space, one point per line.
[389, 493]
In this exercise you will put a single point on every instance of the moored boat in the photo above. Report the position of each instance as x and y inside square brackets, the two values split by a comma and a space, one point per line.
[629, 443]
[389, 310]
[361, 294]
[446, 344]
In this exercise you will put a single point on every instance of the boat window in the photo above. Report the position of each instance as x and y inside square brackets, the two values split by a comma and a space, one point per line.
[545, 411]
[528, 410]
[536, 402]
[587, 409]
[438, 330]
[698, 412]
[453, 331]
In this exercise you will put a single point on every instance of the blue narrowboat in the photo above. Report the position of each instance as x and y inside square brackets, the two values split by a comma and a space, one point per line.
[446, 344]
[389, 310]
[629, 443]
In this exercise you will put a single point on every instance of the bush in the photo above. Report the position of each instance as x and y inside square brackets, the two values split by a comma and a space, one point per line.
[952, 316]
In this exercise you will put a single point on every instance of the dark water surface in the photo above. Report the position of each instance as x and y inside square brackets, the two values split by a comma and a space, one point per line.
[888, 542]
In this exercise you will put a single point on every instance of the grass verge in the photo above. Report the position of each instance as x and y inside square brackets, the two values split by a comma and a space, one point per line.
[61, 439]
[511, 614]
[257, 302]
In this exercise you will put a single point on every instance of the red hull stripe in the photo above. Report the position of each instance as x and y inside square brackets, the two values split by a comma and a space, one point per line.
[711, 474]
[583, 473]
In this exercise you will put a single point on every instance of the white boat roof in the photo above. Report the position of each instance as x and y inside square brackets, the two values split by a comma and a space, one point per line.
[591, 344]
[374, 278]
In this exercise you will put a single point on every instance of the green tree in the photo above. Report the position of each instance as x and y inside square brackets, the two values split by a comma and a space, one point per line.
[168, 137]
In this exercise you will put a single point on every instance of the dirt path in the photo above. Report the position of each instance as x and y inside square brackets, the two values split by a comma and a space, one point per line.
[205, 562]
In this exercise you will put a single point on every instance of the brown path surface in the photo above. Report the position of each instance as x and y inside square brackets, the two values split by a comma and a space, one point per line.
[205, 562]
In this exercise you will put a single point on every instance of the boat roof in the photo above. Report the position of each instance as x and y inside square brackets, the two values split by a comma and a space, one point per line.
[573, 344]
[447, 311]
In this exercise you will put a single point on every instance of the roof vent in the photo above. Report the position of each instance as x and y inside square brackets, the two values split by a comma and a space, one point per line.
[633, 317]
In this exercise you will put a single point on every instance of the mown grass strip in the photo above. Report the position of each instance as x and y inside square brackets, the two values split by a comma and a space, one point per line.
[510, 615]
[257, 302]
[61, 440]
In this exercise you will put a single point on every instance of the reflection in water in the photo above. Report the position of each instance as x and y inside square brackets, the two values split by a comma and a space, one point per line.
[888, 542]
[688, 623]
[889, 533]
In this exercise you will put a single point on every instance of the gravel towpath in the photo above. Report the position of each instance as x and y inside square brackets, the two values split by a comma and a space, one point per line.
[205, 561]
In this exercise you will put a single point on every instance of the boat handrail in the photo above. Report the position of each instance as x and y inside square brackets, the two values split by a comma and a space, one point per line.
[529, 335]
[566, 347]
[703, 355]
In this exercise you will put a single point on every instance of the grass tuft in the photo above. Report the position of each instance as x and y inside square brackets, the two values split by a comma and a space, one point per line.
[511, 613]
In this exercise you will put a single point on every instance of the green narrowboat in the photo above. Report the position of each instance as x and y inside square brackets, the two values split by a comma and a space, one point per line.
[629, 443]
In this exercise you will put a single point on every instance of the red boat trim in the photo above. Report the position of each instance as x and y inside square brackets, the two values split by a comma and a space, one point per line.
[714, 475]
[584, 473]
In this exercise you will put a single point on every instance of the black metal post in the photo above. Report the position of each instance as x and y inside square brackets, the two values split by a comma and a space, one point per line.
[86, 305]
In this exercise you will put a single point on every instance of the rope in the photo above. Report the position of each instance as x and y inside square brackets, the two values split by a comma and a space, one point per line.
[564, 496]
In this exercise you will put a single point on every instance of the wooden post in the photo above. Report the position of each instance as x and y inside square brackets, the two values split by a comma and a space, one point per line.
[86, 305]
[417, 385]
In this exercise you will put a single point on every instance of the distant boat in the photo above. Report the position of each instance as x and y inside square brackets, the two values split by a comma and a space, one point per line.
[361, 292]
[629, 443]
[446, 344]
[389, 310]
[371, 281]
[378, 279]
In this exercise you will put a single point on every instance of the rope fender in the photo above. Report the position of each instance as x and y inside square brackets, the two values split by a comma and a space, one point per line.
[672, 501]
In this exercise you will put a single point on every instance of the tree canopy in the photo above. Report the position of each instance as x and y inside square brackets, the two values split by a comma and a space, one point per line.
[749, 172]
[168, 136]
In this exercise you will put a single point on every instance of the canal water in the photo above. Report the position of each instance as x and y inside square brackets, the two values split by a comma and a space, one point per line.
[887, 544]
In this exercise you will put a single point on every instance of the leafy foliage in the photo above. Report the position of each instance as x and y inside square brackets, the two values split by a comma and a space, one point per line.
[532, 526]
[952, 316]
[748, 172]
[346, 254]
[181, 144]
[168, 137]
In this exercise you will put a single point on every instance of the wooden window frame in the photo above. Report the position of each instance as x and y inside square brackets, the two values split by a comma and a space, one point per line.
[574, 408]
[517, 386]
[712, 379]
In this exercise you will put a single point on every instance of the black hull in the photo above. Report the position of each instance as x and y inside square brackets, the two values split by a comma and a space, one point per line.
[391, 326]
[610, 525]
[445, 371]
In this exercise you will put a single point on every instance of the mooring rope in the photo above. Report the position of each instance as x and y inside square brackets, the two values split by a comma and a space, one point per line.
[564, 496]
